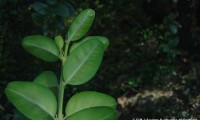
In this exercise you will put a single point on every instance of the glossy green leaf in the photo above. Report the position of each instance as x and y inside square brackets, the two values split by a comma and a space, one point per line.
[47, 79]
[82, 64]
[41, 8]
[104, 40]
[95, 113]
[42, 47]
[89, 99]
[33, 100]
[81, 25]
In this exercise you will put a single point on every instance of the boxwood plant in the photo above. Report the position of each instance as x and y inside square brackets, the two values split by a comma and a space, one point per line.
[80, 59]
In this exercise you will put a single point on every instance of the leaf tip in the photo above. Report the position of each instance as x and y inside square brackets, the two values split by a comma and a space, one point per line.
[90, 12]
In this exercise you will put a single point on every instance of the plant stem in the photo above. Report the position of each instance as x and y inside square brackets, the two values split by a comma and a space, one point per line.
[60, 98]
[65, 51]
[61, 86]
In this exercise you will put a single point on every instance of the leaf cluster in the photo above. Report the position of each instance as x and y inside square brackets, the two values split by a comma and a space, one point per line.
[80, 60]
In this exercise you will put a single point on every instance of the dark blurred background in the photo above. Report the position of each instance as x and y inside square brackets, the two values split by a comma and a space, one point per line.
[152, 66]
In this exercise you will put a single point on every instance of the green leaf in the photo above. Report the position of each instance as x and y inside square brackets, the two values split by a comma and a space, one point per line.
[59, 42]
[42, 47]
[33, 100]
[81, 25]
[83, 63]
[104, 40]
[95, 113]
[41, 8]
[47, 79]
[65, 10]
[89, 99]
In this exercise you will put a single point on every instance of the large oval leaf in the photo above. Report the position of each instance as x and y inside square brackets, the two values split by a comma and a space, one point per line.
[81, 25]
[82, 64]
[34, 101]
[42, 47]
[95, 113]
[89, 99]
[104, 40]
[47, 79]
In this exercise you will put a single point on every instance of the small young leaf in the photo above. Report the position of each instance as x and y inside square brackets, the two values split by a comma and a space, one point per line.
[89, 99]
[104, 40]
[35, 101]
[47, 79]
[95, 113]
[81, 25]
[41, 47]
[59, 42]
[83, 63]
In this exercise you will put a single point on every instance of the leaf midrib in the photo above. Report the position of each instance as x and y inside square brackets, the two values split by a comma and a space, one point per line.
[77, 110]
[76, 28]
[106, 116]
[28, 99]
[81, 64]
[33, 45]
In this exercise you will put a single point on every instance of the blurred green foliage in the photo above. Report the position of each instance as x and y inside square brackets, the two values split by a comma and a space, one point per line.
[51, 15]
[146, 48]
